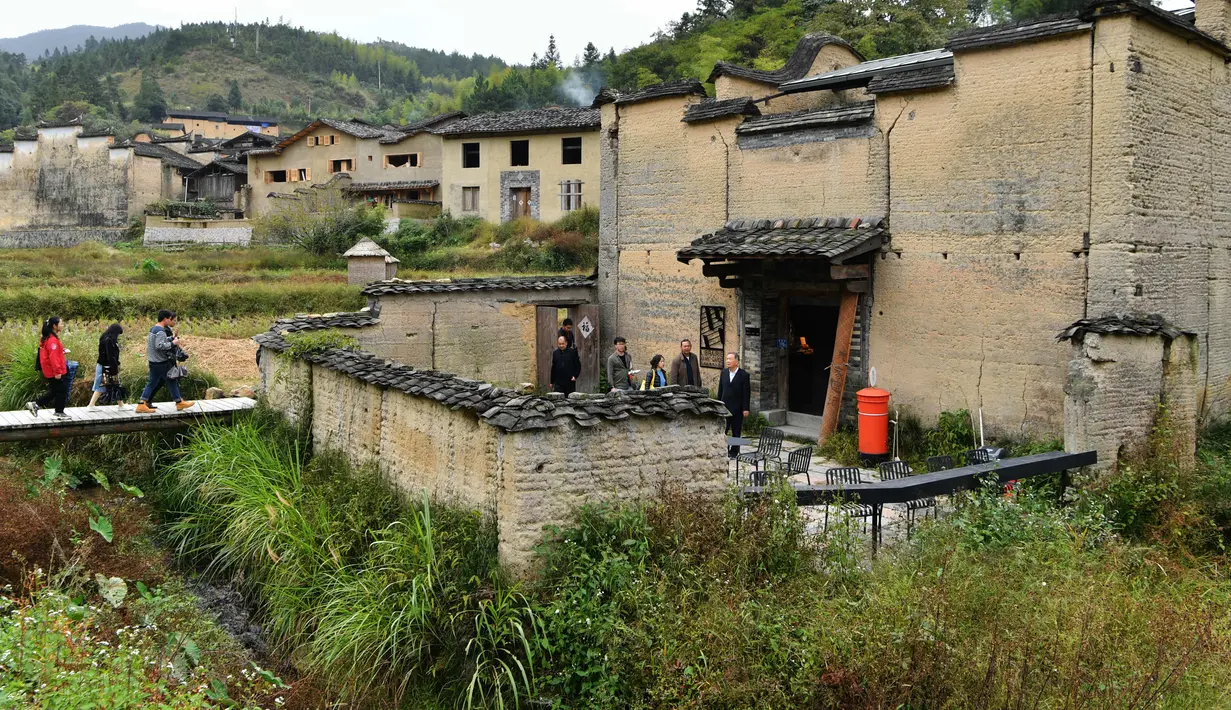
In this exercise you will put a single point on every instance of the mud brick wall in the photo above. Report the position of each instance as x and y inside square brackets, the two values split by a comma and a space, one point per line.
[1115, 387]
[529, 461]
[1160, 233]
[60, 180]
[486, 335]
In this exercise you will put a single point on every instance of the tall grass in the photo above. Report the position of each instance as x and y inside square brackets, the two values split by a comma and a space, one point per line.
[372, 594]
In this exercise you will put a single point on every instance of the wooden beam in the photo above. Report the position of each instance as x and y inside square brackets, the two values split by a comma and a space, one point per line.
[839, 272]
[864, 286]
[837, 370]
[725, 270]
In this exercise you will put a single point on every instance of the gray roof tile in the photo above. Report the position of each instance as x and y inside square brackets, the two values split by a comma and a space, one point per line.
[796, 67]
[913, 80]
[798, 120]
[506, 409]
[711, 109]
[539, 120]
[1017, 32]
[833, 238]
[515, 283]
[1130, 324]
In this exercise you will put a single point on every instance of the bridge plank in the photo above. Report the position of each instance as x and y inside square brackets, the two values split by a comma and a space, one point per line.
[83, 421]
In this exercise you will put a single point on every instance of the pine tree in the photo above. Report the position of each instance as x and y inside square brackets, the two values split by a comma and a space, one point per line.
[234, 99]
[552, 57]
[590, 55]
[216, 102]
[149, 103]
[712, 8]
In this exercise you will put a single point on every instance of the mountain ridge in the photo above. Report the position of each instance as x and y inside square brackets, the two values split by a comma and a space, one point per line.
[33, 44]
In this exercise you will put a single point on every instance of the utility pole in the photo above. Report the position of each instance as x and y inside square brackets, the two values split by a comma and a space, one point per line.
[378, 75]
[258, 40]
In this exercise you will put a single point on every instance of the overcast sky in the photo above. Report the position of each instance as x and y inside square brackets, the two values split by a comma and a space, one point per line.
[509, 30]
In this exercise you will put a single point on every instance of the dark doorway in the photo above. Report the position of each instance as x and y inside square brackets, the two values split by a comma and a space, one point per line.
[810, 351]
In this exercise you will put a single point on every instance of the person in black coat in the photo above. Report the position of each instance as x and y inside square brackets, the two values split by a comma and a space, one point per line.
[108, 367]
[735, 391]
[565, 367]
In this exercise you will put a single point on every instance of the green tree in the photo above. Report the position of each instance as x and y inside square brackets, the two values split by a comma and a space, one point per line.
[884, 28]
[150, 104]
[552, 57]
[234, 99]
[1015, 10]
[590, 56]
[216, 102]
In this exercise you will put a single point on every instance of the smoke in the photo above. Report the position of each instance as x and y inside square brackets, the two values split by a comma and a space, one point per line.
[577, 89]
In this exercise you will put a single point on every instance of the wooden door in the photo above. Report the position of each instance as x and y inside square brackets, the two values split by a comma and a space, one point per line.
[589, 350]
[546, 326]
[521, 202]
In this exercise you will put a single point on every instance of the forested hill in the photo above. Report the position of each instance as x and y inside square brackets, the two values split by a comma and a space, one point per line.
[296, 74]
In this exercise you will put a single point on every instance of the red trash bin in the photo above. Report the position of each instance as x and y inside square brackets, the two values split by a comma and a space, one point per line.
[873, 406]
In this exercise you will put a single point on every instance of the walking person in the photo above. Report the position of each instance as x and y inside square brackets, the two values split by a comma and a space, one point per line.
[685, 368]
[161, 347]
[657, 376]
[566, 332]
[107, 370]
[735, 391]
[565, 367]
[54, 367]
[618, 365]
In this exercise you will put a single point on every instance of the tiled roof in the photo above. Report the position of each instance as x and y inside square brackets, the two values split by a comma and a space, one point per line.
[219, 164]
[221, 117]
[168, 126]
[913, 80]
[6, 147]
[25, 133]
[515, 283]
[857, 75]
[166, 155]
[254, 137]
[829, 116]
[59, 124]
[1121, 325]
[796, 66]
[832, 238]
[365, 247]
[171, 139]
[1016, 32]
[425, 123]
[554, 118]
[304, 322]
[711, 109]
[503, 408]
[1167, 20]
[282, 196]
[97, 133]
[390, 185]
[667, 89]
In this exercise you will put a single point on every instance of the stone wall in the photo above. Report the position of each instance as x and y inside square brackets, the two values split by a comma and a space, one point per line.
[60, 180]
[58, 237]
[222, 232]
[529, 461]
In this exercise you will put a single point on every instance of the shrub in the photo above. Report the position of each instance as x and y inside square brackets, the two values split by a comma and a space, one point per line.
[323, 221]
[316, 341]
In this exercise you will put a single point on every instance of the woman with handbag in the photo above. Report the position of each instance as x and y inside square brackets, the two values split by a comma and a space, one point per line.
[107, 371]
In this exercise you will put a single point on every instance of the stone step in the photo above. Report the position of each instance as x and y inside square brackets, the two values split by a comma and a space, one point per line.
[805, 421]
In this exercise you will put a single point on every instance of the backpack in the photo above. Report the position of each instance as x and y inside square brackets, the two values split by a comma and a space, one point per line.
[38, 360]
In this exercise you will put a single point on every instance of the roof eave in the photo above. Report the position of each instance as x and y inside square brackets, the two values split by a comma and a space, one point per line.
[857, 80]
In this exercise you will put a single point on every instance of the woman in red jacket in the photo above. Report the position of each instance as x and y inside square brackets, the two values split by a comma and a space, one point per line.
[54, 368]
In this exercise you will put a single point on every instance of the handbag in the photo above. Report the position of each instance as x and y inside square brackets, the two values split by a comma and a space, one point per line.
[113, 391]
[177, 372]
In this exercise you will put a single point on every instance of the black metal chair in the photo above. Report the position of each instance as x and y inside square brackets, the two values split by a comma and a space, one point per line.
[848, 476]
[894, 470]
[939, 463]
[769, 448]
[798, 461]
[977, 456]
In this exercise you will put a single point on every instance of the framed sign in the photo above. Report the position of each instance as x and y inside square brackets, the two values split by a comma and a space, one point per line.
[713, 336]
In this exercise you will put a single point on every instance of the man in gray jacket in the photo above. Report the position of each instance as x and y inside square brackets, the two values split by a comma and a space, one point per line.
[617, 367]
[160, 349]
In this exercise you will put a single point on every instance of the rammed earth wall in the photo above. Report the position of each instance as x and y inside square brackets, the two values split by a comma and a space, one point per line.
[530, 461]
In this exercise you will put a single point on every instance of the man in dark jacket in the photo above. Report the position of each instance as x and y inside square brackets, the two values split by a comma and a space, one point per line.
[735, 391]
[160, 350]
[566, 332]
[685, 368]
[565, 367]
[618, 365]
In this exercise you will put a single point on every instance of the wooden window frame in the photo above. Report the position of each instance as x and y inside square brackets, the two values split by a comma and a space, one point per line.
[340, 169]
[413, 160]
[472, 190]
[570, 195]
[269, 176]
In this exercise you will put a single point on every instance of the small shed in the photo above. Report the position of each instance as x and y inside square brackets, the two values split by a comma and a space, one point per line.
[367, 262]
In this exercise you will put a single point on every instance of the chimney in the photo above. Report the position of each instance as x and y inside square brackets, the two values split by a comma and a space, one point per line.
[1213, 17]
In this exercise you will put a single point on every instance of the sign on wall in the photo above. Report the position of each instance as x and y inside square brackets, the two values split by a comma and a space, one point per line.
[713, 336]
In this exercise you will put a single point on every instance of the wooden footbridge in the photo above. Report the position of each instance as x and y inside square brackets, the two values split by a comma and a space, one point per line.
[93, 421]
